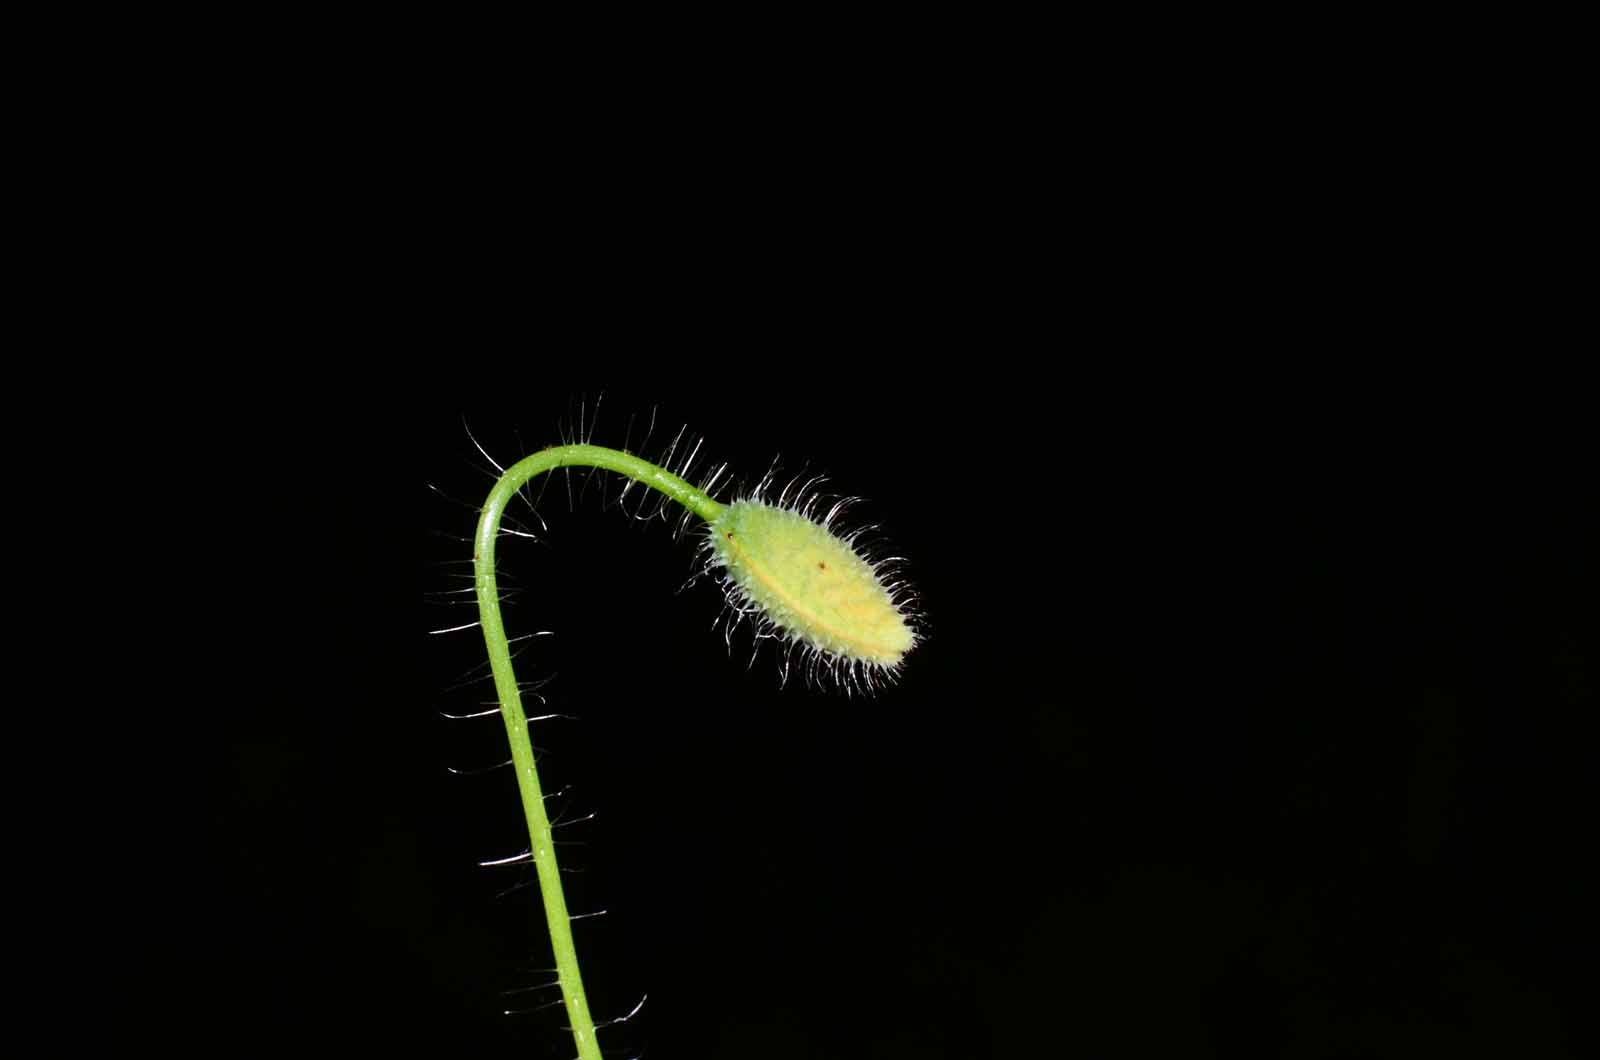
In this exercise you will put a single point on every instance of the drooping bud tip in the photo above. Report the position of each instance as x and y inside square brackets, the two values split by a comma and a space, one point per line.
[810, 584]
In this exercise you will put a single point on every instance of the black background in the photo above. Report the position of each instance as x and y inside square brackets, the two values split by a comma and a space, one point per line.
[1246, 724]
[1252, 716]
[1200, 377]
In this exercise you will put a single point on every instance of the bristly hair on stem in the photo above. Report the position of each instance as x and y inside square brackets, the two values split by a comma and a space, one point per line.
[780, 565]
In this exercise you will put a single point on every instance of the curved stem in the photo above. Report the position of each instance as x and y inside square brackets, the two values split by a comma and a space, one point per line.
[505, 681]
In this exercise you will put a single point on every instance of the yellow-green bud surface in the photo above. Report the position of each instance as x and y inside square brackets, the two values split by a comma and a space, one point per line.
[810, 583]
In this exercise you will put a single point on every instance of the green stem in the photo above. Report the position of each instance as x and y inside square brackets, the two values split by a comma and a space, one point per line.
[505, 682]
